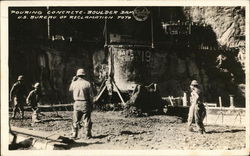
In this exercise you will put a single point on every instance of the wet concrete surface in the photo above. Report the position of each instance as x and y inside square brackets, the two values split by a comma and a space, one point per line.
[111, 130]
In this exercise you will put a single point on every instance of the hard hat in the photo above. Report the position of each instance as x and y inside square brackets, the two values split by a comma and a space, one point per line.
[37, 85]
[194, 83]
[80, 72]
[20, 78]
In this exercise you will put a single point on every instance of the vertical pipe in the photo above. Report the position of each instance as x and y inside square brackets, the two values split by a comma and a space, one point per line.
[185, 99]
[231, 101]
[159, 13]
[105, 33]
[48, 24]
[152, 30]
[189, 28]
[111, 63]
[220, 102]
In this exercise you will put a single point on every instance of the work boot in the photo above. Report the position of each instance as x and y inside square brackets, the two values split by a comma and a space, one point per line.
[13, 116]
[22, 115]
[36, 121]
[89, 135]
[35, 118]
[74, 133]
[202, 131]
[190, 129]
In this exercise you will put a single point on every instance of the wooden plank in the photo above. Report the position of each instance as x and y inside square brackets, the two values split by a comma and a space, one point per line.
[37, 134]
[118, 92]
[171, 101]
[100, 94]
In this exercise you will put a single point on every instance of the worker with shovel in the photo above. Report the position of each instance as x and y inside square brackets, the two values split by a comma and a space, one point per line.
[33, 99]
[83, 97]
[197, 109]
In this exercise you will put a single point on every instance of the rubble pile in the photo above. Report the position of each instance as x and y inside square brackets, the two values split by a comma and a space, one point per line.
[145, 100]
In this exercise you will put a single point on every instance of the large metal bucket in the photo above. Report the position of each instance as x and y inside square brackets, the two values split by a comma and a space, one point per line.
[130, 65]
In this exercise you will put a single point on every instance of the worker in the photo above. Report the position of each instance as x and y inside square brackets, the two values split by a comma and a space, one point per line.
[17, 94]
[220, 59]
[83, 97]
[33, 99]
[197, 109]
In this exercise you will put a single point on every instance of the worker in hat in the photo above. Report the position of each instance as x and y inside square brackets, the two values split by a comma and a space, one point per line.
[17, 94]
[83, 97]
[197, 109]
[33, 99]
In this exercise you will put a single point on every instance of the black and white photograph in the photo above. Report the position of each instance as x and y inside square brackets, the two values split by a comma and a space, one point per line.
[121, 78]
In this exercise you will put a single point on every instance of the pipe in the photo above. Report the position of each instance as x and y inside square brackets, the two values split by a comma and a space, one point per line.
[152, 31]
[48, 24]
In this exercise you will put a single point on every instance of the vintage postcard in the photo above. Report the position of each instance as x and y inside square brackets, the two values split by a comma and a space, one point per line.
[125, 77]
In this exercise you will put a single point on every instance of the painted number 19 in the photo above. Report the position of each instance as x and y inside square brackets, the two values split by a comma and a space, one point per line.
[146, 56]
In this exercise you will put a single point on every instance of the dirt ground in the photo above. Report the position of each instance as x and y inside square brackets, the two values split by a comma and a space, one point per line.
[111, 130]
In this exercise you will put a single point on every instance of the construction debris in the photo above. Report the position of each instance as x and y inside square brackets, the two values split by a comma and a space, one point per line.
[145, 100]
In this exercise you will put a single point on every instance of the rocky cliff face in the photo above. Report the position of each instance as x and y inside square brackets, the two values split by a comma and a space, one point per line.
[228, 23]
[53, 66]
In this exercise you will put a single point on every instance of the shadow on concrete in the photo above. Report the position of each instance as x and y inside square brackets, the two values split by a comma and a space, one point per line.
[131, 133]
[82, 144]
[99, 136]
[226, 131]
[55, 119]
[67, 144]
[25, 144]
